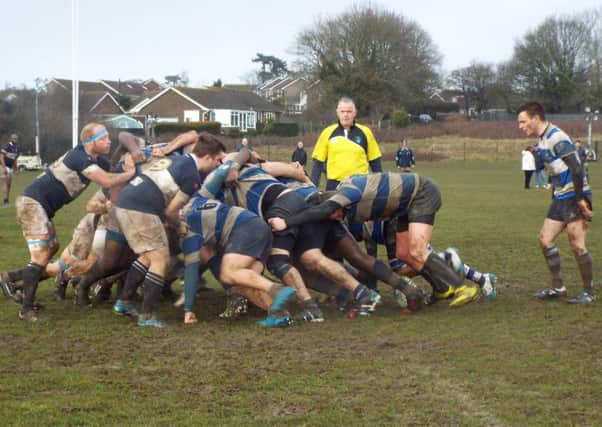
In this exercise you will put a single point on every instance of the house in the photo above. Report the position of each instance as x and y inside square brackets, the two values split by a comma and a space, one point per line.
[288, 91]
[232, 108]
[95, 98]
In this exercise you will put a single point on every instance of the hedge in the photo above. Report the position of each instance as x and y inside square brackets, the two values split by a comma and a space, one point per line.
[211, 127]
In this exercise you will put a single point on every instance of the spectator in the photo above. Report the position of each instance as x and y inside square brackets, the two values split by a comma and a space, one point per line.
[541, 176]
[299, 155]
[404, 158]
[528, 165]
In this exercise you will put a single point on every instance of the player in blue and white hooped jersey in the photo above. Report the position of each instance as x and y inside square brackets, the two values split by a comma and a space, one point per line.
[235, 243]
[571, 206]
[259, 191]
[413, 200]
[61, 183]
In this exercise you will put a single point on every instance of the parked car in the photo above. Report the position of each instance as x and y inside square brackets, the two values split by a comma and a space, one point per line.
[425, 118]
[30, 162]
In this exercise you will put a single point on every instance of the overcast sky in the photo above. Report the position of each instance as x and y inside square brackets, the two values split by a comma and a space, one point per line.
[129, 39]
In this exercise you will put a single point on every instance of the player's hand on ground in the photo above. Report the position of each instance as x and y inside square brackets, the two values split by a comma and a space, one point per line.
[278, 224]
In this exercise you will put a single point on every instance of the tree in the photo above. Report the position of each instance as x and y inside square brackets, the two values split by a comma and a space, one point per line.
[217, 83]
[476, 82]
[271, 67]
[550, 63]
[181, 79]
[125, 102]
[377, 57]
[593, 96]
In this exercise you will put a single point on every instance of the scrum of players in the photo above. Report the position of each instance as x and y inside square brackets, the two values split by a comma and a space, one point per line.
[171, 211]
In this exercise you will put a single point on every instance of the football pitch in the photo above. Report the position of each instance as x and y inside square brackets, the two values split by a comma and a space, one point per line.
[515, 361]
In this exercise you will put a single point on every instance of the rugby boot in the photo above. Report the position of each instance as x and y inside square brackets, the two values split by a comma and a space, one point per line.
[582, 298]
[364, 305]
[7, 287]
[274, 321]
[488, 289]
[125, 308]
[550, 293]
[150, 321]
[236, 305]
[413, 296]
[464, 294]
[284, 296]
[60, 287]
[81, 296]
[28, 315]
[311, 312]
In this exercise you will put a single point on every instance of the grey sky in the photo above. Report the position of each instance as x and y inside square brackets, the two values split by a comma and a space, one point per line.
[209, 40]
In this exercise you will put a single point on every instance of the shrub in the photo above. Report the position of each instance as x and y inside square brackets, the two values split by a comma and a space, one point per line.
[211, 127]
[400, 119]
[233, 132]
[283, 129]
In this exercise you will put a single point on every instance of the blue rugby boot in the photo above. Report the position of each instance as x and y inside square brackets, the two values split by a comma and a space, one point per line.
[282, 299]
[125, 308]
[273, 321]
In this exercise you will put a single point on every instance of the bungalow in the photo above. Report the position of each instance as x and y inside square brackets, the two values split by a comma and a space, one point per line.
[231, 108]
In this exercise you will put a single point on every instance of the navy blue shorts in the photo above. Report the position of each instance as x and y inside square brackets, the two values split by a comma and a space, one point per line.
[566, 210]
[423, 207]
[252, 238]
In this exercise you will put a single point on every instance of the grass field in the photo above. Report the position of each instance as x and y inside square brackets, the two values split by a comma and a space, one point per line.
[512, 362]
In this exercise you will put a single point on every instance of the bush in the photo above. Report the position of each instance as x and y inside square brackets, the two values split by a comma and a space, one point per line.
[211, 127]
[233, 132]
[282, 129]
[400, 119]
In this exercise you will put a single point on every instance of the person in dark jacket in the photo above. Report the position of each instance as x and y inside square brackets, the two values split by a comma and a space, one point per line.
[299, 155]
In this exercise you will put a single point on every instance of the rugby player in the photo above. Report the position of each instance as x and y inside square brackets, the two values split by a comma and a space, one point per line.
[414, 200]
[149, 200]
[571, 207]
[237, 242]
[62, 182]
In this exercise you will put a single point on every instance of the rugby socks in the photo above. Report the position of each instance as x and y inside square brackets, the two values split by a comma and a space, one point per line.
[152, 286]
[552, 257]
[31, 278]
[360, 292]
[133, 279]
[584, 261]
[439, 274]
[474, 275]
[276, 287]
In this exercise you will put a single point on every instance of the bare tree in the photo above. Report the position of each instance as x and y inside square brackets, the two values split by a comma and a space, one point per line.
[476, 82]
[376, 56]
[550, 63]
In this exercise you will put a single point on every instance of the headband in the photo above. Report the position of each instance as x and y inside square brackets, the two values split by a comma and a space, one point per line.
[96, 136]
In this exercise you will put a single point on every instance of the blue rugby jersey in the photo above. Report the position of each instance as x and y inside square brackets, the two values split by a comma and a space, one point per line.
[251, 186]
[156, 187]
[376, 196]
[11, 151]
[210, 222]
[554, 145]
[64, 180]
[303, 189]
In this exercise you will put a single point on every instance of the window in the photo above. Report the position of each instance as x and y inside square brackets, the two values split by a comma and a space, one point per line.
[192, 115]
